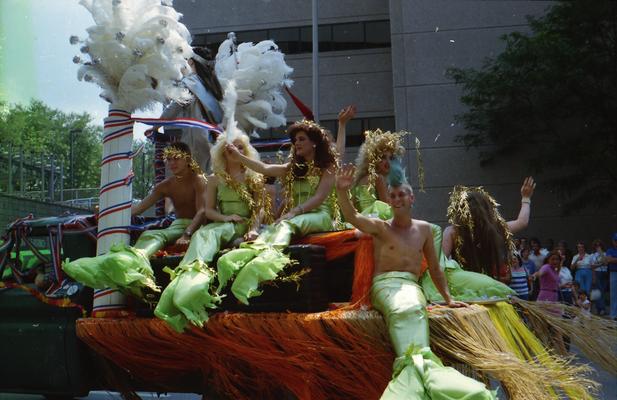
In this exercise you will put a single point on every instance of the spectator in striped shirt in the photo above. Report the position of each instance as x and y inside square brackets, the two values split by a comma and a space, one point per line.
[520, 278]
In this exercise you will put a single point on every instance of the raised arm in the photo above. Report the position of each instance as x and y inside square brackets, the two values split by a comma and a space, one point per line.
[523, 215]
[275, 170]
[157, 194]
[344, 116]
[437, 275]
[200, 211]
[344, 181]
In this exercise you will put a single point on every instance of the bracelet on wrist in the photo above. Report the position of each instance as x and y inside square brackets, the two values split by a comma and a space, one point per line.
[188, 233]
[526, 200]
[300, 209]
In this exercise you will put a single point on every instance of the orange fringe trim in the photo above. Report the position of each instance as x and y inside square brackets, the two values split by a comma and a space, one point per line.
[330, 355]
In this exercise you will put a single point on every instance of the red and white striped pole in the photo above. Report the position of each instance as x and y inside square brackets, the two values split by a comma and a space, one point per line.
[115, 200]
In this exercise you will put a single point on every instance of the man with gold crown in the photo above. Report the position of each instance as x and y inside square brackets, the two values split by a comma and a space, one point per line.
[128, 268]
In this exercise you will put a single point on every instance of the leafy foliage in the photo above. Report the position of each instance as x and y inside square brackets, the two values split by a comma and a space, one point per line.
[551, 99]
[39, 130]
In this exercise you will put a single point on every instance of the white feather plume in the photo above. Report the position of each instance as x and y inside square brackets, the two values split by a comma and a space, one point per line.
[259, 72]
[137, 50]
[230, 100]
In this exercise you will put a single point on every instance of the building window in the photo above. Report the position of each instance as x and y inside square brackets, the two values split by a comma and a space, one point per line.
[348, 36]
[298, 40]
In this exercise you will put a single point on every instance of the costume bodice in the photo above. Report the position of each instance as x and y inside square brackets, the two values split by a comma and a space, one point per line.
[305, 188]
[229, 201]
[364, 196]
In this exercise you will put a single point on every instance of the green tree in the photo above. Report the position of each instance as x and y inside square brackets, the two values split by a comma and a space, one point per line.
[39, 130]
[143, 167]
[550, 99]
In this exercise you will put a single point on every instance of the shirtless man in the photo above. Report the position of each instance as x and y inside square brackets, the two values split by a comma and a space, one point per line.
[187, 190]
[128, 268]
[399, 245]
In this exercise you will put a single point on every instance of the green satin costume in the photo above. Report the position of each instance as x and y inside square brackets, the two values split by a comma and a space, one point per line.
[417, 372]
[263, 259]
[189, 294]
[365, 200]
[126, 268]
[463, 285]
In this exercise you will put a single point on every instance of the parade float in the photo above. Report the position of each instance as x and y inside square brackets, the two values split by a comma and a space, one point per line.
[312, 336]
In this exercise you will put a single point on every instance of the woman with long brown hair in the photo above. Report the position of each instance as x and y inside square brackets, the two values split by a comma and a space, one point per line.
[477, 249]
[307, 180]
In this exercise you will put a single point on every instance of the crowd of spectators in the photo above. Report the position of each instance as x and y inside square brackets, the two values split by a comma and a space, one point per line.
[585, 277]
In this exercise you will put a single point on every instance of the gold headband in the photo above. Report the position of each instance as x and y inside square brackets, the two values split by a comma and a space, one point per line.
[174, 153]
[311, 124]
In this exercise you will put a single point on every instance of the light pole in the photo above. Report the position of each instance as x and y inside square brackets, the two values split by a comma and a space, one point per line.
[72, 156]
[315, 58]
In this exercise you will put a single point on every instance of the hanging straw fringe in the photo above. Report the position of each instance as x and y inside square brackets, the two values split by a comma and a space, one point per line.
[331, 355]
[594, 336]
[468, 336]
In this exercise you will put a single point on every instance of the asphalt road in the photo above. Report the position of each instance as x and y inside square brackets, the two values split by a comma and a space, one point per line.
[608, 391]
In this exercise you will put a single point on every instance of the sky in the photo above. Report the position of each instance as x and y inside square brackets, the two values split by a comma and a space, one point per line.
[36, 57]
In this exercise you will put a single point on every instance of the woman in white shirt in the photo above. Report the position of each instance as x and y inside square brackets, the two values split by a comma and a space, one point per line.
[581, 264]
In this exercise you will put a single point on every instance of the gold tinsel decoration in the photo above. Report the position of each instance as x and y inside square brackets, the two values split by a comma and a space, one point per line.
[173, 153]
[253, 187]
[313, 175]
[376, 144]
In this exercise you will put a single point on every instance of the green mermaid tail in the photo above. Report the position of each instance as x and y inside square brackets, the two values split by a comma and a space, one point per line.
[154, 240]
[265, 267]
[208, 240]
[421, 375]
[187, 297]
[231, 263]
[126, 268]
[417, 372]
[263, 259]
[463, 285]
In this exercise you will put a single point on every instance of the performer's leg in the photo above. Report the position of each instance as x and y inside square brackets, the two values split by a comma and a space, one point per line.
[208, 240]
[154, 240]
[418, 373]
[265, 267]
[229, 264]
[266, 262]
[269, 262]
[466, 285]
[187, 297]
[401, 301]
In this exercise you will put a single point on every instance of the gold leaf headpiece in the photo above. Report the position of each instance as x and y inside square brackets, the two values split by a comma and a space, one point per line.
[376, 144]
[174, 153]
